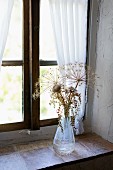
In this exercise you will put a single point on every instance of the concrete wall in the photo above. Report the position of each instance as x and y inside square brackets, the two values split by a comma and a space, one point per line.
[103, 106]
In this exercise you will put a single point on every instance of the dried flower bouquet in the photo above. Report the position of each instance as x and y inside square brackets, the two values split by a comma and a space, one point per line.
[63, 84]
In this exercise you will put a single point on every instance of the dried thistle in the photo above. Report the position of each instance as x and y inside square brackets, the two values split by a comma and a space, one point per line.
[56, 88]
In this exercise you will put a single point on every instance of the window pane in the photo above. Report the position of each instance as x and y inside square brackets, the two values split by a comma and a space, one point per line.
[46, 111]
[11, 94]
[47, 43]
[13, 49]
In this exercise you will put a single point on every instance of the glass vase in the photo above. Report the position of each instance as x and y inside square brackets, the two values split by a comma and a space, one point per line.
[64, 140]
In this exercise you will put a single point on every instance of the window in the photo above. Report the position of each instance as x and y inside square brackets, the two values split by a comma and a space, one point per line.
[47, 56]
[30, 50]
[14, 75]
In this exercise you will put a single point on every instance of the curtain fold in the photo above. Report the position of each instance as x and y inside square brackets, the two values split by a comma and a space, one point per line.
[69, 21]
[5, 15]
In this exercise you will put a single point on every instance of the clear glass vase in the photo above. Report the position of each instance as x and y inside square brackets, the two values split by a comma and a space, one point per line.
[64, 140]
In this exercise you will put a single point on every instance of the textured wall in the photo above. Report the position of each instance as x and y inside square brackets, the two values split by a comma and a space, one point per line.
[103, 106]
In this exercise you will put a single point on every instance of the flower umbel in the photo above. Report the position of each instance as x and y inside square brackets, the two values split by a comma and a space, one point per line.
[79, 74]
[51, 80]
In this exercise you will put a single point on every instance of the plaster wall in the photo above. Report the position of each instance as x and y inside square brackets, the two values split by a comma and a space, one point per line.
[102, 121]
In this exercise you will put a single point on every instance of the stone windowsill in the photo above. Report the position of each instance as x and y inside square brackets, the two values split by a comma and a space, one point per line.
[40, 154]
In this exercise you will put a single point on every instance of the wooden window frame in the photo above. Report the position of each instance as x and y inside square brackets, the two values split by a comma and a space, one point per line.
[31, 68]
[26, 76]
[35, 60]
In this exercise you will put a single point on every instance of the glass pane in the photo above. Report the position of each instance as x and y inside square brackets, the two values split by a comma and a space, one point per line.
[47, 42]
[13, 49]
[11, 95]
[46, 111]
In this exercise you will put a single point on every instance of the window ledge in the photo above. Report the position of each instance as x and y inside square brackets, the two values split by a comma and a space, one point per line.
[40, 155]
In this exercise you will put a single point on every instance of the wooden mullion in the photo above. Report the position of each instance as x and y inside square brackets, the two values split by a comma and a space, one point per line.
[35, 11]
[26, 67]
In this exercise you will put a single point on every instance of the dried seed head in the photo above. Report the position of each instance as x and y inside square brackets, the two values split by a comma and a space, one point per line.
[71, 89]
[56, 88]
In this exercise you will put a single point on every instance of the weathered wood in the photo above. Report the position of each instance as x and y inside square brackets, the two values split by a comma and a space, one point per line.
[35, 11]
[49, 122]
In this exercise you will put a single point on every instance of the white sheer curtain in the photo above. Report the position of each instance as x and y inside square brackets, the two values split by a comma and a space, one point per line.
[5, 15]
[69, 21]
